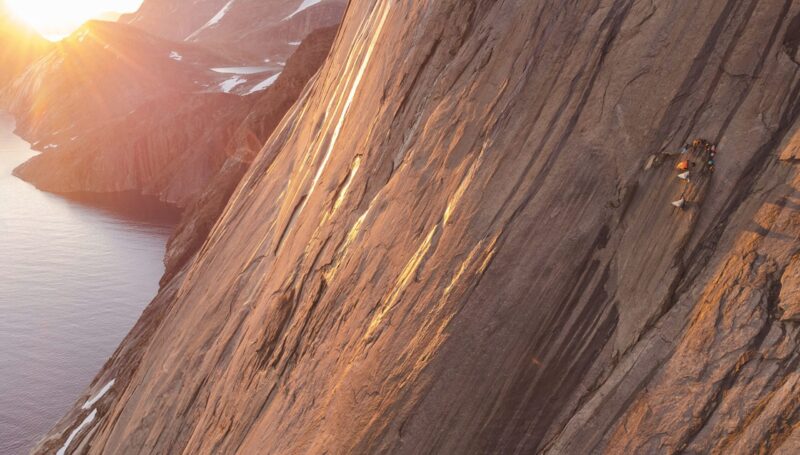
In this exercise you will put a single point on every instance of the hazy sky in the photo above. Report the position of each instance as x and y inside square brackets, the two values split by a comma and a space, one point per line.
[58, 18]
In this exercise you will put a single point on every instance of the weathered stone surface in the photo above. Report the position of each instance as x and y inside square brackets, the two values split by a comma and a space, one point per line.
[450, 245]
[790, 149]
[790, 292]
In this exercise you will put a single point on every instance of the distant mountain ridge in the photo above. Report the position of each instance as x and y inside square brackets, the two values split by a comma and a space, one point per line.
[281, 24]
[114, 108]
[103, 70]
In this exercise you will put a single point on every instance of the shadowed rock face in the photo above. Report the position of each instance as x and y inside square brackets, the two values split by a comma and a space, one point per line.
[460, 240]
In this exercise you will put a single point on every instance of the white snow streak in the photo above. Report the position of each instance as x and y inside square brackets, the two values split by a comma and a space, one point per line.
[264, 84]
[86, 422]
[232, 83]
[213, 21]
[303, 6]
[99, 395]
[175, 56]
[348, 102]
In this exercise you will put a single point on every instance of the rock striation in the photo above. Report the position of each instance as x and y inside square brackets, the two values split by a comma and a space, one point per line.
[268, 108]
[460, 240]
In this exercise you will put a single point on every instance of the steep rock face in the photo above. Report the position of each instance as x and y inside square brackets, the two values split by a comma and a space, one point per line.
[267, 111]
[280, 27]
[460, 240]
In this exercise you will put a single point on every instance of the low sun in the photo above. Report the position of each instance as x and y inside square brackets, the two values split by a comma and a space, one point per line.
[55, 19]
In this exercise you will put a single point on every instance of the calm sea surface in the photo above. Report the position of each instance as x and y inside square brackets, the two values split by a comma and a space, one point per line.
[74, 277]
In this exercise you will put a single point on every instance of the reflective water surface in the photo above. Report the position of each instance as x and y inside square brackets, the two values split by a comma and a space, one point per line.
[74, 276]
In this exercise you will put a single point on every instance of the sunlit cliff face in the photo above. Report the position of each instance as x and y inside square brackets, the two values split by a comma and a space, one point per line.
[55, 19]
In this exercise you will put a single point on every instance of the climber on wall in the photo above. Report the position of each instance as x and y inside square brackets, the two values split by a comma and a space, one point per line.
[710, 153]
[712, 158]
[704, 152]
[683, 167]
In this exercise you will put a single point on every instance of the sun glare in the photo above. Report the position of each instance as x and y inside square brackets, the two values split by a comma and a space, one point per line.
[55, 19]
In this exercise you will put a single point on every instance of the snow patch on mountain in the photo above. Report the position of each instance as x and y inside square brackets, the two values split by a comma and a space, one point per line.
[213, 21]
[229, 84]
[91, 402]
[263, 85]
[86, 422]
[303, 6]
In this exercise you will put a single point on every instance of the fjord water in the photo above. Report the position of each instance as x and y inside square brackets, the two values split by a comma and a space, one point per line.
[74, 277]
